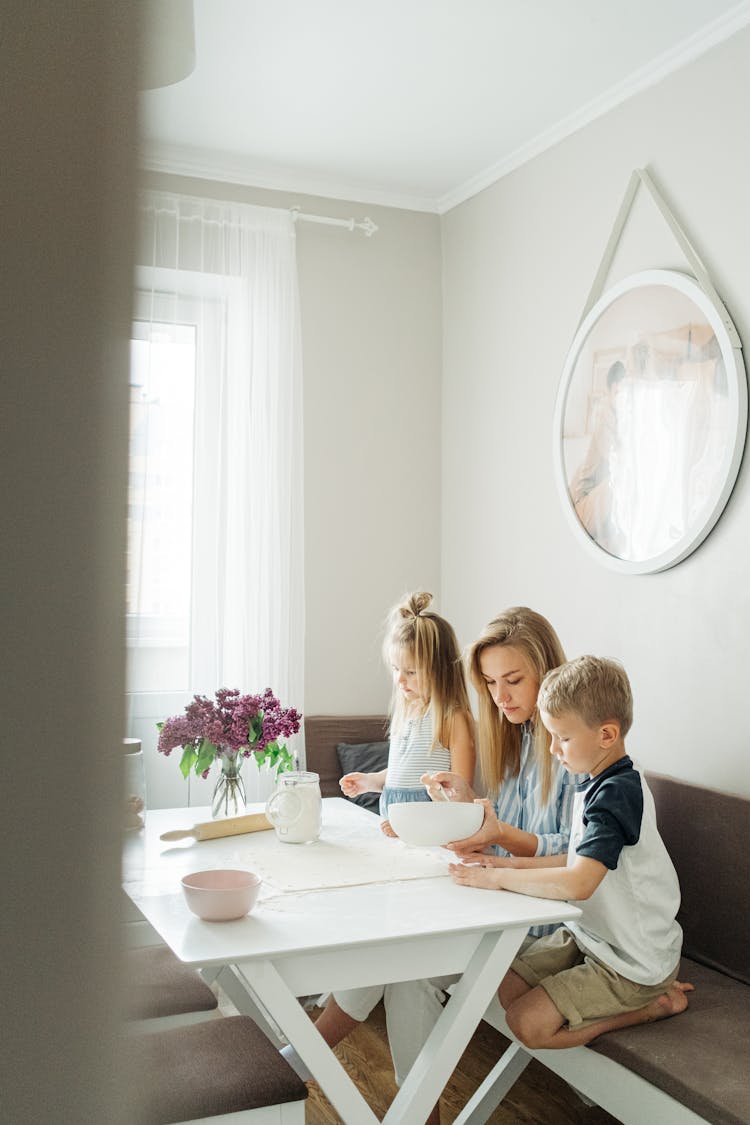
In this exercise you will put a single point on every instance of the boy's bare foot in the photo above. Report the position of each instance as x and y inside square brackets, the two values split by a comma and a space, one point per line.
[671, 1003]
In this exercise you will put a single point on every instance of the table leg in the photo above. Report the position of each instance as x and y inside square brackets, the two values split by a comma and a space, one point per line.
[235, 987]
[448, 1039]
[268, 988]
[487, 1098]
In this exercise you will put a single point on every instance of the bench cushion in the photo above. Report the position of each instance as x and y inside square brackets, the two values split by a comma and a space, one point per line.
[700, 1057]
[157, 984]
[707, 834]
[222, 1065]
[363, 757]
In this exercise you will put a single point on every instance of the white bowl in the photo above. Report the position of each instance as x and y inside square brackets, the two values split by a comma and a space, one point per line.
[431, 823]
[221, 895]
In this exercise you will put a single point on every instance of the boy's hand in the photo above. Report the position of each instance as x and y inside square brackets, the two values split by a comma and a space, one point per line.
[474, 876]
[352, 784]
[482, 859]
[385, 828]
[486, 835]
[453, 785]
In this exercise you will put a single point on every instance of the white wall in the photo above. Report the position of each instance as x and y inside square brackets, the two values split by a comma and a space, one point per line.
[519, 260]
[371, 328]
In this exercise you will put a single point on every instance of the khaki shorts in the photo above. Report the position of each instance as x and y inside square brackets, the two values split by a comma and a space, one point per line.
[582, 988]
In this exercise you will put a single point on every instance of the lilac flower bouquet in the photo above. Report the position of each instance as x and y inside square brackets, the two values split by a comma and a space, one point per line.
[234, 725]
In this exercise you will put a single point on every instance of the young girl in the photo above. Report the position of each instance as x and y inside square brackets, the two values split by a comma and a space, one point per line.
[432, 728]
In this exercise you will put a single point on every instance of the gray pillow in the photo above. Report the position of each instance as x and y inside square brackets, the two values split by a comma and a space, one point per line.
[363, 757]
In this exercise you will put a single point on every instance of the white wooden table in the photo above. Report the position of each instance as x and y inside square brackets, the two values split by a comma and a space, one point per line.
[299, 942]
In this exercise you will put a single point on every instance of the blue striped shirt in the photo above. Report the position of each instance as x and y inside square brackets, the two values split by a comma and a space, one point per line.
[519, 803]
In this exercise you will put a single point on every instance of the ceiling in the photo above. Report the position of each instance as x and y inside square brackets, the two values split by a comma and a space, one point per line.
[409, 103]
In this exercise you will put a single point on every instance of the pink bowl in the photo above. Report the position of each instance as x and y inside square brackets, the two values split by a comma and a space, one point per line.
[221, 895]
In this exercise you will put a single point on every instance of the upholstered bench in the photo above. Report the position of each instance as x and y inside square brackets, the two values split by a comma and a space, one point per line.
[159, 988]
[693, 1067]
[220, 1067]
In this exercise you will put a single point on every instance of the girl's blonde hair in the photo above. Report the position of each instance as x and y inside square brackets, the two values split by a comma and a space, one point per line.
[437, 659]
[500, 740]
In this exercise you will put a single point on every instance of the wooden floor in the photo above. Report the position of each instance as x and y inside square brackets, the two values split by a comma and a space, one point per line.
[537, 1098]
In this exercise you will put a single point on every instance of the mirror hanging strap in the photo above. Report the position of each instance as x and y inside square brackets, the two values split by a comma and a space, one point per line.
[641, 176]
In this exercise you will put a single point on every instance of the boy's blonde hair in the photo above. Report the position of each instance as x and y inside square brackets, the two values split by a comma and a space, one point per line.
[437, 658]
[500, 741]
[592, 687]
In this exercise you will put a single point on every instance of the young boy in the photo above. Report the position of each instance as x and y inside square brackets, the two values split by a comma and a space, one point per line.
[617, 965]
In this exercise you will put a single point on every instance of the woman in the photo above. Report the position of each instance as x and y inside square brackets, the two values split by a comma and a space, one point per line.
[530, 796]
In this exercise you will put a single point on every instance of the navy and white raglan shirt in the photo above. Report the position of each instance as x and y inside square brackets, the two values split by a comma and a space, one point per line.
[629, 922]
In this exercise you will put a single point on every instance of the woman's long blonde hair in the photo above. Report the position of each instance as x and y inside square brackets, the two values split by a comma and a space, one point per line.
[500, 740]
[437, 659]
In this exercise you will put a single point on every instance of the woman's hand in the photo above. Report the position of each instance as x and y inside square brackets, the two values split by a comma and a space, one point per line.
[385, 828]
[352, 784]
[486, 835]
[452, 785]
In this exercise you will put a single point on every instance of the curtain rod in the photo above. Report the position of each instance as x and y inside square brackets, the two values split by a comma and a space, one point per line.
[366, 225]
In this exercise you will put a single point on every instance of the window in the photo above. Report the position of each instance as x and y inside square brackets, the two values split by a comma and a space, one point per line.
[215, 575]
[163, 360]
[162, 392]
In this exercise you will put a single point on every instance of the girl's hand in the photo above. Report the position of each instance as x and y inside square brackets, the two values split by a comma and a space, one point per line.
[452, 784]
[352, 784]
[487, 834]
[385, 828]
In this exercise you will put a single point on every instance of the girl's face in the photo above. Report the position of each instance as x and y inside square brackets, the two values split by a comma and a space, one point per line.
[405, 674]
[510, 681]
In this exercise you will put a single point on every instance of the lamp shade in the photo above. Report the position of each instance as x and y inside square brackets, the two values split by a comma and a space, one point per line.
[167, 51]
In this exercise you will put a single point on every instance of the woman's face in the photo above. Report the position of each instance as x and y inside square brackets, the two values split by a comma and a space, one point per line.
[510, 681]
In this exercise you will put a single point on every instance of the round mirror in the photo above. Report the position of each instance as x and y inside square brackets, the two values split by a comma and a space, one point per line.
[650, 422]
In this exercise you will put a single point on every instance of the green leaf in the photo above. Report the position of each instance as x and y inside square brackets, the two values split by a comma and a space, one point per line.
[186, 761]
[205, 758]
[254, 728]
[278, 757]
[160, 725]
[286, 761]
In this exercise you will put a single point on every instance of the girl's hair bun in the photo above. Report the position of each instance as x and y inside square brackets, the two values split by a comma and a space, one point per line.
[415, 604]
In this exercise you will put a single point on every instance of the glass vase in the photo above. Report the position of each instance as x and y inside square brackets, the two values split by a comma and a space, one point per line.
[229, 793]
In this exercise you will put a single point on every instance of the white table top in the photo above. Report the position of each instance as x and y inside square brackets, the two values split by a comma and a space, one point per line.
[285, 924]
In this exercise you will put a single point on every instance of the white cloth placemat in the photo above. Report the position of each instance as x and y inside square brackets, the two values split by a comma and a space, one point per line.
[341, 858]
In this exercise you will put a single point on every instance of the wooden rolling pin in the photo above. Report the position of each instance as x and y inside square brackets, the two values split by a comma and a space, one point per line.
[213, 829]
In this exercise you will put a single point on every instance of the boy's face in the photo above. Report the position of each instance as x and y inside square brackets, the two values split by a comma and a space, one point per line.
[581, 748]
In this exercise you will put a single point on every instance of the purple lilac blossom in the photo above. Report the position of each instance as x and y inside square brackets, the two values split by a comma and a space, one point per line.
[226, 723]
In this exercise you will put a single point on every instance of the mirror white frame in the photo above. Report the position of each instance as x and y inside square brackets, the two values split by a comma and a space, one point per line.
[650, 422]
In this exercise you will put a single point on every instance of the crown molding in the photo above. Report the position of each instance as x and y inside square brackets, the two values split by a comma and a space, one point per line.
[232, 168]
[670, 61]
[225, 167]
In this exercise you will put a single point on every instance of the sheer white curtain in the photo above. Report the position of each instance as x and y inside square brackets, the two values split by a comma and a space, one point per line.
[228, 272]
